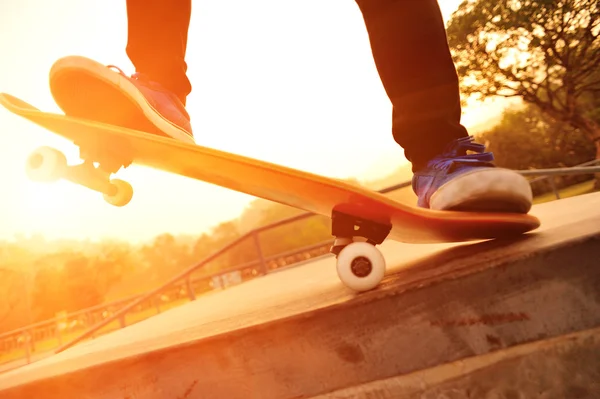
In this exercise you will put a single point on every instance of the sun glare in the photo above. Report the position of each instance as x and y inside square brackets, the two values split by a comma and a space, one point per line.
[48, 203]
[316, 123]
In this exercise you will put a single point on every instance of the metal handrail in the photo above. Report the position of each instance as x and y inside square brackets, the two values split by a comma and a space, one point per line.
[253, 233]
[245, 236]
[559, 172]
[583, 168]
[54, 320]
[138, 299]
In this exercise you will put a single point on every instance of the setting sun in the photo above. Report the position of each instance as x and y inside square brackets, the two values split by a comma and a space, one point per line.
[331, 117]
[45, 204]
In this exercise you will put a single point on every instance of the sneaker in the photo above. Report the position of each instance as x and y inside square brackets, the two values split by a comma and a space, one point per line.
[87, 89]
[455, 181]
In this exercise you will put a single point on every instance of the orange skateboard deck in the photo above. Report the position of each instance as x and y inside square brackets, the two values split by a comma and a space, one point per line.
[361, 218]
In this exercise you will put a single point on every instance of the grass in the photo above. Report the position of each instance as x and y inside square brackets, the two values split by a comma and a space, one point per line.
[571, 191]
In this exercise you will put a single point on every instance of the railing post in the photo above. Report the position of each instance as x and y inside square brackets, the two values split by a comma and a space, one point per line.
[28, 351]
[190, 289]
[156, 301]
[58, 334]
[89, 319]
[553, 184]
[32, 340]
[259, 252]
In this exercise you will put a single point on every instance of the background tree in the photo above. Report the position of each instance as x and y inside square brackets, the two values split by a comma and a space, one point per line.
[14, 285]
[526, 138]
[166, 257]
[82, 288]
[113, 262]
[11, 287]
[543, 51]
[49, 295]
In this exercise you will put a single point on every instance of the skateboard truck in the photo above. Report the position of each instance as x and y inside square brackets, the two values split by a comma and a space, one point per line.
[47, 164]
[360, 265]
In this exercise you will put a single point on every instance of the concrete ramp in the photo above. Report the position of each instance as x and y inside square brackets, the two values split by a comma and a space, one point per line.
[564, 367]
[485, 319]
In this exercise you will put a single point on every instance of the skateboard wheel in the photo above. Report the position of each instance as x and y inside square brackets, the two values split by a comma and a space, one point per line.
[360, 266]
[121, 195]
[46, 164]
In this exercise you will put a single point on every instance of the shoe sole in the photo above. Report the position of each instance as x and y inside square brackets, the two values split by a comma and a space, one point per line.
[128, 107]
[487, 190]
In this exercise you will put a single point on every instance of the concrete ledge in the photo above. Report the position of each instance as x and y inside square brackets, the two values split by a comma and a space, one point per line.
[452, 303]
[563, 367]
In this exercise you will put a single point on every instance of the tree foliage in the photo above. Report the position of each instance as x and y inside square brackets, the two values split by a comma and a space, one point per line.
[11, 282]
[37, 283]
[526, 138]
[543, 51]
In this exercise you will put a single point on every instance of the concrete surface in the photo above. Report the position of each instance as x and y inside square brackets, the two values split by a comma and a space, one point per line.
[15, 364]
[301, 333]
[562, 367]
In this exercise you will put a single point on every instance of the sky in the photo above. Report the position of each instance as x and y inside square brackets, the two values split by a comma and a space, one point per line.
[289, 82]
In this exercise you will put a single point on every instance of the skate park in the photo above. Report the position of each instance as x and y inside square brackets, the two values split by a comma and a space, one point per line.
[488, 317]
[503, 318]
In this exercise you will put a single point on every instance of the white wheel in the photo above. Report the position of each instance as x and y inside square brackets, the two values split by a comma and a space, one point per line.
[46, 164]
[360, 266]
[123, 192]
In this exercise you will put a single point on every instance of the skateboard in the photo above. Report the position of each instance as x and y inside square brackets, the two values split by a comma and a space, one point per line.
[361, 218]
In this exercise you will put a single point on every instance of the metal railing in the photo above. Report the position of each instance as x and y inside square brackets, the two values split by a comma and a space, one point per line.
[262, 265]
[549, 174]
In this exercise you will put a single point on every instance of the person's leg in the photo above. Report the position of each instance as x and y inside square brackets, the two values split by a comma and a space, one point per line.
[153, 99]
[411, 53]
[159, 53]
[408, 40]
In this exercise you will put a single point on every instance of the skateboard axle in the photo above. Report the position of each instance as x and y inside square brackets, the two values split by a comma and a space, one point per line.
[86, 174]
[345, 227]
[48, 164]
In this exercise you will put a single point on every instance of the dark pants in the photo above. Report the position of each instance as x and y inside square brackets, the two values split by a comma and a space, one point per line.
[409, 46]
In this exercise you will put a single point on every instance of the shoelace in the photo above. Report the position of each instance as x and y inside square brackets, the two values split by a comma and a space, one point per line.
[450, 156]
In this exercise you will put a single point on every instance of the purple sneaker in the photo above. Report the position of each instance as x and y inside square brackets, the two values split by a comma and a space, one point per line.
[454, 181]
[87, 89]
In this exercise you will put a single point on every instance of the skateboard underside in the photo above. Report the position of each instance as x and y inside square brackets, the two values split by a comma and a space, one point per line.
[355, 211]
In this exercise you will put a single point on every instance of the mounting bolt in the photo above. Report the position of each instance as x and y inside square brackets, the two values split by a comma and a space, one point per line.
[361, 266]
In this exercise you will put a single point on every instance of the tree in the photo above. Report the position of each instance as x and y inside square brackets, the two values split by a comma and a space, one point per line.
[526, 138]
[114, 262]
[49, 295]
[166, 257]
[11, 286]
[543, 51]
[14, 288]
[81, 284]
